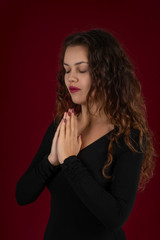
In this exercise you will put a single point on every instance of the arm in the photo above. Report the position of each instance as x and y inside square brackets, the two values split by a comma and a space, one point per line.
[38, 174]
[111, 208]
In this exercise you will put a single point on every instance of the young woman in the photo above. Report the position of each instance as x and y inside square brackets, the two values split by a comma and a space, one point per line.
[94, 160]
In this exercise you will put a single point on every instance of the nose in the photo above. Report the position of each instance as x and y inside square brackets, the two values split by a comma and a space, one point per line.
[72, 76]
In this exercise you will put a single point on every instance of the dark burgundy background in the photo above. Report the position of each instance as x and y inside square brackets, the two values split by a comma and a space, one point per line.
[31, 35]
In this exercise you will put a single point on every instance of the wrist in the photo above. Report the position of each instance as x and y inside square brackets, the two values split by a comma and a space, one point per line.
[51, 160]
[64, 157]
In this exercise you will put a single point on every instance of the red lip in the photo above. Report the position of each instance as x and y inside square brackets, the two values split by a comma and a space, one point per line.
[74, 90]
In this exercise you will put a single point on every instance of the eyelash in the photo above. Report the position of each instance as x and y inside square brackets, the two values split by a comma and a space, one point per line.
[79, 71]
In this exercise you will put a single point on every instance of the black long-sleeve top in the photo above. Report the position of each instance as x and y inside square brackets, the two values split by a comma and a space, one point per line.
[84, 204]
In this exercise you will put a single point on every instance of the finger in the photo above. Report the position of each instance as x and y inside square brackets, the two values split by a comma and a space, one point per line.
[75, 124]
[59, 127]
[72, 124]
[68, 124]
[63, 127]
[80, 140]
[60, 123]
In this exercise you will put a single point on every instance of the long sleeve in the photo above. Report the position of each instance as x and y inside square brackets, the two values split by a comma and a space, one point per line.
[111, 208]
[36, 177]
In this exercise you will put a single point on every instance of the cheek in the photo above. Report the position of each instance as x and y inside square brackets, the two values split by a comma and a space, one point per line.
[87, 82]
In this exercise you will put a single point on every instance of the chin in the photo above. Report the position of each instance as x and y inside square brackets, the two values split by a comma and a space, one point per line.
[77, 100]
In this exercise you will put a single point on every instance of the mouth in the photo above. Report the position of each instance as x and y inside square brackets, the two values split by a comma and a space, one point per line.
[74, 90]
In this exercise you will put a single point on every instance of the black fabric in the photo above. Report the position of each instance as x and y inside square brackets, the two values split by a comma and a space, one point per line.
[84, 204]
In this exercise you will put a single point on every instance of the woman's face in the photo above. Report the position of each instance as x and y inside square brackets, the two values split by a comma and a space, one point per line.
[77, 72]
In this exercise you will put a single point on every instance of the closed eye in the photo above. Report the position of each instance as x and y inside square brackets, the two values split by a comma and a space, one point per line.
[79, 71]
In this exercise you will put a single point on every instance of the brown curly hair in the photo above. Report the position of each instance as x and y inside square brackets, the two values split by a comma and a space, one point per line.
[117, 90]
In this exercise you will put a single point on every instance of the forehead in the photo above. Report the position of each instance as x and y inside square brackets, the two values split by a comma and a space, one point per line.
[76, 53]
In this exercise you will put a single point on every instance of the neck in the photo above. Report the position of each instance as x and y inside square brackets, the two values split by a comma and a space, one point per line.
[97, 118]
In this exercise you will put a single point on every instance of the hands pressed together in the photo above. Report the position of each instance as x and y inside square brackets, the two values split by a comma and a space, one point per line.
[66, 141]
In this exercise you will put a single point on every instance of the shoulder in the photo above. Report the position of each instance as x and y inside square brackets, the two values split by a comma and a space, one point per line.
[121, 146]
[50, 130]
[53, 126]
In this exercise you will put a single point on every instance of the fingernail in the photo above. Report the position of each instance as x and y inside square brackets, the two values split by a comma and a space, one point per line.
[69, 114]
[72, 110]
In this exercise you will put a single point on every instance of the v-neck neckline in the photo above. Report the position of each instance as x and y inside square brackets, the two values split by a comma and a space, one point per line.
[89, 145]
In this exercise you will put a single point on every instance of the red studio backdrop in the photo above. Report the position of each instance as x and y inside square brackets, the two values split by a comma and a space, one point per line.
[31, 35]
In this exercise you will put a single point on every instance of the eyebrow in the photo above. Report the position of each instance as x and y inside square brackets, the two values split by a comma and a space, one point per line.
[75, 63]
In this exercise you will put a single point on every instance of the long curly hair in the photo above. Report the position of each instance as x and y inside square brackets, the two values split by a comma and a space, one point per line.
[118, 92]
